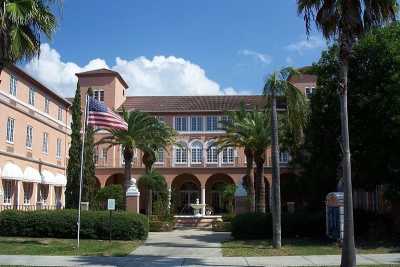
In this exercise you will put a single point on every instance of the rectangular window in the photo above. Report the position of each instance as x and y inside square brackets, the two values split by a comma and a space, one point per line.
[228, 155]
[99, 95]
[309, 91]
[31, 99]
[160, 155]
[284, 157]
[197, 154]
[45, 145]
[7, 188]
[196, 124]
[13, 85]
[27, 193]
[29, 135]
[60, 114]
[46, 105]
[212, 123]
[181, 124]
[10, 130]
[58, 150]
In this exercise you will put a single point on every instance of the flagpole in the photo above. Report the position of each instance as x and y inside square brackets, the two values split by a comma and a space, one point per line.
[81, 174]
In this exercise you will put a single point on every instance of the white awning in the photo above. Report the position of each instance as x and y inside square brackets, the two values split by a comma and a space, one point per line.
[47, 177]
[12, 171]
[61, 180]
[32, 175]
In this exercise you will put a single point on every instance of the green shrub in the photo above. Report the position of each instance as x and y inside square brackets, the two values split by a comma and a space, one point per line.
[62, 224]
[298, 224]
[161, 226]
[107, 192]
[252, 226]
[228, 217]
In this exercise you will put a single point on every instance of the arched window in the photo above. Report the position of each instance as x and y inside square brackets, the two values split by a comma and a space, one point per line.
[212, 153]
[228, 155]
[197, 152]
[181, 154]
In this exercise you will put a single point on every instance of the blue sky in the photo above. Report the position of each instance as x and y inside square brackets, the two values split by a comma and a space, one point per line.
[228, 46]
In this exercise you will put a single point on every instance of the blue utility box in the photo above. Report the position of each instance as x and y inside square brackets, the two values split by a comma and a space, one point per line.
[335, 215]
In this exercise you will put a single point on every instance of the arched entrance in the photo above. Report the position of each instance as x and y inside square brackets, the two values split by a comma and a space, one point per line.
[117, 178]
[217, 195]
[185, 191]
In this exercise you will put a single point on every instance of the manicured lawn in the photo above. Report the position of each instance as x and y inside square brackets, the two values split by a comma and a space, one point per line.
[65, 247]
[253, 248]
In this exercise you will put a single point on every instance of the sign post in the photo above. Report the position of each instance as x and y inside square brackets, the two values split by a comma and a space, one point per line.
[110, 207]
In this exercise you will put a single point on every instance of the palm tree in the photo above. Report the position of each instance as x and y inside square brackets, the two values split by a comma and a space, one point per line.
[346, 21]
[277, 84]
[237, 135]
[152, 180]
[161, 136]
[22, 22]
[251, 130]
[140, 131]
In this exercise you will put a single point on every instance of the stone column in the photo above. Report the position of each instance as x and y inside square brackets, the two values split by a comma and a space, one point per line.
[203, 200]
[34, 194]
[132, 197]
[63, 196]
[169, 197]
[20, 194]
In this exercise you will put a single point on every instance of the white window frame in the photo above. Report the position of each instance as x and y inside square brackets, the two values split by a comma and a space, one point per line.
[31, 97]
[212, 154]
[46, 105]
[196, 121]
[196, 150]
[8, 192]
[99, 95]
[60, 114]
[10, 130]
[181, 155]
[228, 155]
[45, 143]
[58, 148]
[212, 123]
[179, 123]
[284, 157]
[13, 85]
[309, 91]
[29, 136]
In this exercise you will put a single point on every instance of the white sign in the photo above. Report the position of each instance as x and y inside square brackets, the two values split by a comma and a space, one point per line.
[111, 204]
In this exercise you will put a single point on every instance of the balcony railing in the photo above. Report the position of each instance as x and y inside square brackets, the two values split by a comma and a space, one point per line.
[25, 207]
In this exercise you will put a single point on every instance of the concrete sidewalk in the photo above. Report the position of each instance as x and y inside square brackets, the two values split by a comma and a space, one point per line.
[146, 261]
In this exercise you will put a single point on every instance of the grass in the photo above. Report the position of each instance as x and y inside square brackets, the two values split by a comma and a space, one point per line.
[293, 247]
[65, 247]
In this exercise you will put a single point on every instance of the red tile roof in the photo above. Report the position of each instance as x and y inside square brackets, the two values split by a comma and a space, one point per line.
[103, 72]
[192, 103]
[303, 78]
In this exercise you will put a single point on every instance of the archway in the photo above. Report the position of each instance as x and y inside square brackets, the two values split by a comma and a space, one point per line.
[185, 191]
[215, 199]
[117, 178]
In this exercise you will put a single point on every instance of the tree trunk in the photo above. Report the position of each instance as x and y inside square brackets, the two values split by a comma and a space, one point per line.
[250, 177]
[276, 187]
[149, 202]
[348, 249]
[260, 160]
[128, 155]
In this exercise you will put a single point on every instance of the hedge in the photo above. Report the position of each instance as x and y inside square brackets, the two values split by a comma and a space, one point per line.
[259, 225]
[62, 224]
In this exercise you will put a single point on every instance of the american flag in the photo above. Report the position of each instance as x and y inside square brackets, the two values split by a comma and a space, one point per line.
[103, 117]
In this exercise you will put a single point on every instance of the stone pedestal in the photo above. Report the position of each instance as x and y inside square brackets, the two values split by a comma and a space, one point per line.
[132, 197]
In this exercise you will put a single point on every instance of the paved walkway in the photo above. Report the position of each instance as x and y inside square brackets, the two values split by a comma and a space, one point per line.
[190, 248]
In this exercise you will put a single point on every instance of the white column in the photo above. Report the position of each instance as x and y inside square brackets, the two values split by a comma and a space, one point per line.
[169, 197]
[203, 201]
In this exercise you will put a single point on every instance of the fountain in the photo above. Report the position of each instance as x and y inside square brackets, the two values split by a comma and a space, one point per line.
[197, 207]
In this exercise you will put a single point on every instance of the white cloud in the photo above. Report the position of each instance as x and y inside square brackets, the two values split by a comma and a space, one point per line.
[160, 75]
[289, 60]
[313, 42]
[263, 58]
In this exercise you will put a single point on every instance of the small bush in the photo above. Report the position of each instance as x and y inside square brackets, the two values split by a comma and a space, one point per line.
[228, 217]
[161, 226]
[62, 224]
[107, 192]
[252, 226]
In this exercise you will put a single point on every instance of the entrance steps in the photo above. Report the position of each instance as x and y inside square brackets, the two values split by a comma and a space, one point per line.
[190, 221]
